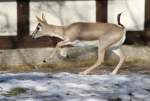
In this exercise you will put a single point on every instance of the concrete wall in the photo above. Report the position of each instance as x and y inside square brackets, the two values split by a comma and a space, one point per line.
[66, 12]
[24, 59]
[8, 18]
[132, 18]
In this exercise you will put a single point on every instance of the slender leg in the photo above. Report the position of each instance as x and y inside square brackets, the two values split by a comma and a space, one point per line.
[57, 47]
[101, 53]
[60, 44]
[122, 58]
[54, 52]
[63, 52]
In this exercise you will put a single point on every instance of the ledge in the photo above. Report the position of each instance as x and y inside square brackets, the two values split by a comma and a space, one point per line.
[28, 59]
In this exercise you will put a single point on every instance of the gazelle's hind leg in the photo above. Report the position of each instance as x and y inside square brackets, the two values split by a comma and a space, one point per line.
[119, 53]
[99, 61]
[101, 53]
[106, 42]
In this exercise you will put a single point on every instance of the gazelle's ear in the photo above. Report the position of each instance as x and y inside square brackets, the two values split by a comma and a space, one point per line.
[39, 20]
[43, 18]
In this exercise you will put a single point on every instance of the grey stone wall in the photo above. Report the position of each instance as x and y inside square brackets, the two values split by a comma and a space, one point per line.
[77, 57]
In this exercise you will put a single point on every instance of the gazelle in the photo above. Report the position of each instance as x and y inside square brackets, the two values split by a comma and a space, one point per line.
[110, 37]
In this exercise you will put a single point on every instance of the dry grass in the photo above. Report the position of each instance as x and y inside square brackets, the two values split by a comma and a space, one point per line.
[15, 91]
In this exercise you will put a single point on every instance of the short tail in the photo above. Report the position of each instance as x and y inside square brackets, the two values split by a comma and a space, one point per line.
[118, 19]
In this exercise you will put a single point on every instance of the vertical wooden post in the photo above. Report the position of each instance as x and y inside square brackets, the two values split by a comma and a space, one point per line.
[147, 22]
[101, 10]
[22, 18]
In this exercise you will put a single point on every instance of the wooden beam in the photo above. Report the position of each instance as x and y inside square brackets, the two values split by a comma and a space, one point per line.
[39, 0]
[101, 10]
[147, 15]
[134, 37]
[12, 42]
[22, 18]
[146, 35]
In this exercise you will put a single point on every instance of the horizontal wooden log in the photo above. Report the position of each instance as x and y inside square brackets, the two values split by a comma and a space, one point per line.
[12, 42]
[134, 37]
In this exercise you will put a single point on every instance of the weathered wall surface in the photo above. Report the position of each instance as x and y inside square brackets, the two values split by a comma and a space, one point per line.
[8, 18]
[77, 57]
[66, 12]
[133, 16]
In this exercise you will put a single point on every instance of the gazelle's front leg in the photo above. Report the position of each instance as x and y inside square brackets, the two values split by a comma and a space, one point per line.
[60, 44]
[63, 52]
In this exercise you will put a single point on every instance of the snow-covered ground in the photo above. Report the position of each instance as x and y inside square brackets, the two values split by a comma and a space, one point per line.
[74, 87]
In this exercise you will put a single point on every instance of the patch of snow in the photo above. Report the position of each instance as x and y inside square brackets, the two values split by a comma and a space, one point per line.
[74, 87]
[79, 86]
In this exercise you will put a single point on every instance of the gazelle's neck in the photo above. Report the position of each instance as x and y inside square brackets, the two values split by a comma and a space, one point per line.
[58, 31]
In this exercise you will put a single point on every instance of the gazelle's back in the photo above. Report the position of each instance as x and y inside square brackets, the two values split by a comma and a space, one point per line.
[90, 31]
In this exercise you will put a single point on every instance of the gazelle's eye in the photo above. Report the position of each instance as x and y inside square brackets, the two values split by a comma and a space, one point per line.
[38, 28]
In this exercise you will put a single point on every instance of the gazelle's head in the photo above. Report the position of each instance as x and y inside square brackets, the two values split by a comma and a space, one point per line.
[43, 28]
